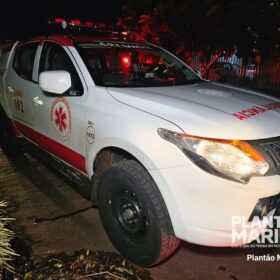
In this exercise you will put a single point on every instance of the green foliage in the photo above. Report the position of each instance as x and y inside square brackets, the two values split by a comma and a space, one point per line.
[6, 252]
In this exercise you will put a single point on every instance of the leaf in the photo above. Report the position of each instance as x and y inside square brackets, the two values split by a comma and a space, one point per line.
[27, 275]
[123, 263]
[119, 269]
[143, 21]
[142, 17]
[101, 267]
[112, 267]
[130, 272]
[58, 265]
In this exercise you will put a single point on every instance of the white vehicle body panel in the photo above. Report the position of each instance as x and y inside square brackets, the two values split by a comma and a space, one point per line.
[206, 109]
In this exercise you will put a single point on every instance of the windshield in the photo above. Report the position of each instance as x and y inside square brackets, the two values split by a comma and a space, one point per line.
[114, 64]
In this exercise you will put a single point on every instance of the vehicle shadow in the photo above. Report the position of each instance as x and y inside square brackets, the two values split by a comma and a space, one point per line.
[63, 199]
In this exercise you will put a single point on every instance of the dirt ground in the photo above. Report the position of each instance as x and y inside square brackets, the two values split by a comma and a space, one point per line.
[52, 217]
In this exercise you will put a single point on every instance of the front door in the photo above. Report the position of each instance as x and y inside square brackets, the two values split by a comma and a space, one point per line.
[59, 120]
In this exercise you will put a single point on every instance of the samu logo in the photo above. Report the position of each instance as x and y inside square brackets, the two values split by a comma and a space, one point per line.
[61, 118]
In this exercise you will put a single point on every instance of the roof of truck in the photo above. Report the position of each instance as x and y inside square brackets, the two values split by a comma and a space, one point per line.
[66, 40]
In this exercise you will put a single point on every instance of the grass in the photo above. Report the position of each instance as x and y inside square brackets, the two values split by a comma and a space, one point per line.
[6, 252]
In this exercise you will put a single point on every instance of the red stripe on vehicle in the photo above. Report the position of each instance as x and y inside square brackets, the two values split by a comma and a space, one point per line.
[57, 149]
[15, 130]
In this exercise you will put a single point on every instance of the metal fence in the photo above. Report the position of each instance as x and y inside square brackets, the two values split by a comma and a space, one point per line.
[264, 75]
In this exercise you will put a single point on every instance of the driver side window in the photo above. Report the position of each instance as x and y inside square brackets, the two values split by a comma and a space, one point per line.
[54, 57]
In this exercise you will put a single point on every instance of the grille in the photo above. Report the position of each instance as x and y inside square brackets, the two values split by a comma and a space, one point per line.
[268, 203]
[273, 151]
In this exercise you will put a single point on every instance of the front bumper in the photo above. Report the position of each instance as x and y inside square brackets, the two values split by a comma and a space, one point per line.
[202, 206]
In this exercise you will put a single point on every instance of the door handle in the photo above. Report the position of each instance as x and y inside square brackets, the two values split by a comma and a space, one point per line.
[37, 101]
[10, 89]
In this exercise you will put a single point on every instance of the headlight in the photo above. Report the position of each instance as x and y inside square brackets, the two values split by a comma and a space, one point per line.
[233, 159]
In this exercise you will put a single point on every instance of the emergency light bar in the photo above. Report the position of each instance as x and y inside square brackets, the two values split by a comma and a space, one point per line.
[87, 26]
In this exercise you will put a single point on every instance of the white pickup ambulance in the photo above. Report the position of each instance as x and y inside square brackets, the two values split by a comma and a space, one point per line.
[168, 155]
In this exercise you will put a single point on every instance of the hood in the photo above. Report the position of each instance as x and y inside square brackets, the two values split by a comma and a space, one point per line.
[208, 109]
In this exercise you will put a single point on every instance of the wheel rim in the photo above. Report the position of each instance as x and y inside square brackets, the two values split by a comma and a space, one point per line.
[127, 212]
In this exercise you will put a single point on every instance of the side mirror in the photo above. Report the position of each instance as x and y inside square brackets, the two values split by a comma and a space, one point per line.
[56, 81]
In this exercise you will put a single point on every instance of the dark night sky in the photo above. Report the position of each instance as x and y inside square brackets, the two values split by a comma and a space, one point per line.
[20, 20]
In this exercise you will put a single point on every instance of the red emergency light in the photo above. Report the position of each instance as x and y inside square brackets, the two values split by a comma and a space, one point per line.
[89, 23]
[126, 60]
[59, 20]
[91, 26]
[149, 60]
[75, 22]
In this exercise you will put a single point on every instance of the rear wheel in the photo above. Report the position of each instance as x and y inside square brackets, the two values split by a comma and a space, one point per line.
[9, 142]
[134, 214]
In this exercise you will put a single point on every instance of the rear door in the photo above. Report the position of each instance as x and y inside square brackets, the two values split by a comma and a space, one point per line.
[20, 83]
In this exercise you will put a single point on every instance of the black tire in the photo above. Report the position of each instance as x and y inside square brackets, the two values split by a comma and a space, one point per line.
[134, 214]
[9, 142]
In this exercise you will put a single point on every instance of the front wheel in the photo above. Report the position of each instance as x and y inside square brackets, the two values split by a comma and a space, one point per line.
[134, 214]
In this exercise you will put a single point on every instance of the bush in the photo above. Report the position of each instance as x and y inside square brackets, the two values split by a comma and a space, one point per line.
[6, 252]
